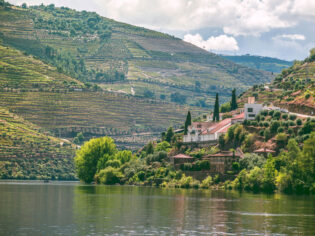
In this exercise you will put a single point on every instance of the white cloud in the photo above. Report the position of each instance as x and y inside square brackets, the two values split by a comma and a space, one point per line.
[290, 37]
[234, 17]
[219, 43]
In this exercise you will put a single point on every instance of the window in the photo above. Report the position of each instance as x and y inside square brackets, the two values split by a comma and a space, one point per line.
[251, 115]
[250, 109]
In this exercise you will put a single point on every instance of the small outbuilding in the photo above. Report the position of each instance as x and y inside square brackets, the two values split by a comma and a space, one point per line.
[181, 159]
[264, 151]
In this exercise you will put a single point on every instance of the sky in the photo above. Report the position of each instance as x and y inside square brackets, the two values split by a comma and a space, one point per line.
[277, 28]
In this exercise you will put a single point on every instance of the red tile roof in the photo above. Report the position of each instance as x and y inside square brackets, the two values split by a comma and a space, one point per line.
[240, 116]
[220, 125]
[183, 156]
[264, 150]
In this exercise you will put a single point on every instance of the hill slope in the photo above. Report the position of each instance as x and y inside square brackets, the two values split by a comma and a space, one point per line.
[65, 106]
[293, 89]
[261, 63]
[25, 152]
[123, 57]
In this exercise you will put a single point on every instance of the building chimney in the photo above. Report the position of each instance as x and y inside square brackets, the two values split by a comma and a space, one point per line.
[251, 100]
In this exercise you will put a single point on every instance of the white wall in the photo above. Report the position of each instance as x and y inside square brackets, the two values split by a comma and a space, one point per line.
[250, 115]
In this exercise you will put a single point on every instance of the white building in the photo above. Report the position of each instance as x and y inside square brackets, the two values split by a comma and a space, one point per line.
[206, 131]
[252, 109]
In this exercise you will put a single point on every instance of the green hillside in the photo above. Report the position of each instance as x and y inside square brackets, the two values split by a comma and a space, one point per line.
[25, 152]
[65, 106]
[123, 57]
[261, 63]
[292, 89]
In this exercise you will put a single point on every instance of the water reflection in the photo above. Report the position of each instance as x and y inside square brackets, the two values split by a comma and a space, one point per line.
[57, 209]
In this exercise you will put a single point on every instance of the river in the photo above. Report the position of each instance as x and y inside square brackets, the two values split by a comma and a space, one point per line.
[71, 208]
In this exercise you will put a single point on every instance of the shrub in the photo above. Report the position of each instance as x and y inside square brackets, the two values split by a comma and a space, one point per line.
[284, 116]
[185, 182]
[291, 123]
[267, 134]
[280, 129]
[109, 175]
[277, 115]
[266, 124]
[264, 112]
[292, 117]
[207, 182]
[290, 131]
[307, 96]
[271, 112]
[261, 132]
[274, 126]
[204, 164]
[298, 122]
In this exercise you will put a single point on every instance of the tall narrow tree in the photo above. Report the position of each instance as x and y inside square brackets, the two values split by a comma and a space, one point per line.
[233, 100]
[187, 122]
[216, 112]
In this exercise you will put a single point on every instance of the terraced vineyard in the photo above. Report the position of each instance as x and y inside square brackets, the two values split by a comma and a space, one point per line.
[93, 48]
[25, 152]
[293, 89]
[65, 106]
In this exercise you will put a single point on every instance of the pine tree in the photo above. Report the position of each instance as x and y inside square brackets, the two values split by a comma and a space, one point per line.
[233, 100]
[216, 112]
[187, 122]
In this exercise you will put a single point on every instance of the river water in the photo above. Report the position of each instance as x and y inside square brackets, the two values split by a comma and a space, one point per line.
[71, 208]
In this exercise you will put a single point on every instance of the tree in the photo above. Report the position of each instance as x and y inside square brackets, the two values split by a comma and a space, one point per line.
[187, 122]
[149, 148]
[93, 151]
[216, 112]
[233, 100]
[24, 6]
[169, 134]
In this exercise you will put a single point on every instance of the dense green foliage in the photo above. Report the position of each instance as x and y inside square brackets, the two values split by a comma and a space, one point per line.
[99, 156]
[290, 172]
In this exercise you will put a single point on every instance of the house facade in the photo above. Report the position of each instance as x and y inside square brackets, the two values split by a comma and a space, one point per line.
[252, 109]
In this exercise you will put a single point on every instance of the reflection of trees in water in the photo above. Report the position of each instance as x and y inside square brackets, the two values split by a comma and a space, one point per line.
[113, 209]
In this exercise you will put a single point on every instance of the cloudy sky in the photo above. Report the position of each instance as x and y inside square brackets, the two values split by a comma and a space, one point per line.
[277, 28]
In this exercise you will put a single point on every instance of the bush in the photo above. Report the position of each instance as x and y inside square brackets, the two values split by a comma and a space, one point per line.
[203, 165]
[280, 129]
[298, 122]
[251, 160]
[277, 115]
[290, 131]
[266, 124]
[292, 117]
[291, 123]
[274, 126]
[284, 116]
[307, 96]
[261, 132]
[207, 182]
[267, 134]
[271, 112]
[109, 175]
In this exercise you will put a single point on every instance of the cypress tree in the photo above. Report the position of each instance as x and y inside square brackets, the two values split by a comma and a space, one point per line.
[233, 100]
[216, 112]
[169, 134]
[187, 122]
